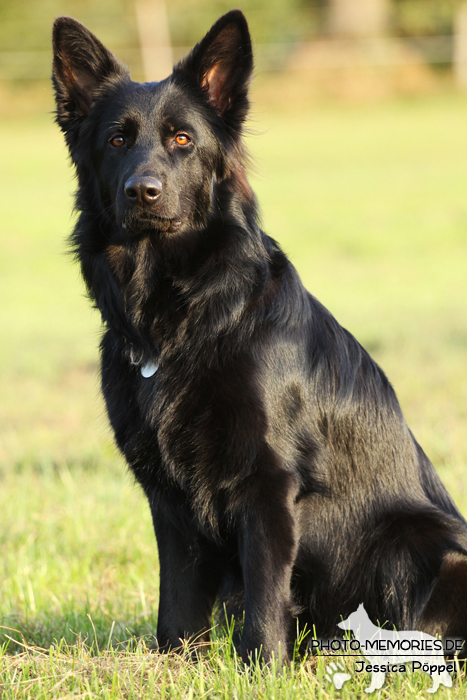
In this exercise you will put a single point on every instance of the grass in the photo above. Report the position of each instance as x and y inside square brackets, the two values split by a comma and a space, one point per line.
[369, 201]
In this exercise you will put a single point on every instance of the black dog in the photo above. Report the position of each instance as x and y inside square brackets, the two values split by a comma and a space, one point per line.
[281, 476]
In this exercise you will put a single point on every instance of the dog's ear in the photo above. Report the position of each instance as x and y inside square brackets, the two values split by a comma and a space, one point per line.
[222, 64]
[80, 65]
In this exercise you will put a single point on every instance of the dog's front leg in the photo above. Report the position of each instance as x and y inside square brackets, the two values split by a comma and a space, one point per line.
[190, 575]
[267, 553]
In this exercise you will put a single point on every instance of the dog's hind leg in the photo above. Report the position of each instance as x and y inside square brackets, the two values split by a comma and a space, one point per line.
[446, 611]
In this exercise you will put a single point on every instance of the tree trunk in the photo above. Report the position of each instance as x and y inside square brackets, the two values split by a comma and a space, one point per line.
[154, 37]
[358, 18]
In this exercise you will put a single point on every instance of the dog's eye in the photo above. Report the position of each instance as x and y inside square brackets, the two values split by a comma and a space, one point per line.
[182, 140]
[117, 141]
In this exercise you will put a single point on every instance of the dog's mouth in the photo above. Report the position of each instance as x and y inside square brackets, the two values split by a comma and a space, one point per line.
[137, 224]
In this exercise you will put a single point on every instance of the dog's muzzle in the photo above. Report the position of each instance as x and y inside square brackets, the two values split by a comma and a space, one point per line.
[143, 190]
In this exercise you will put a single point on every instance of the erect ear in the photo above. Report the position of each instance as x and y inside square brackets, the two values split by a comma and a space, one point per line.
[80, 64]
[222, 64]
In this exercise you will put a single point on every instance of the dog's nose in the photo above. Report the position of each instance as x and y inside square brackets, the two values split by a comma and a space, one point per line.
[143, 189]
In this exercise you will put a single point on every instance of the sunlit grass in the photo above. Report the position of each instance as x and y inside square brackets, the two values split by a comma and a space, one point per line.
[370, 203]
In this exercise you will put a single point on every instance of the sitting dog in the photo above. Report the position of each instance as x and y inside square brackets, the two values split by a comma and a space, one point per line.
[282, 478]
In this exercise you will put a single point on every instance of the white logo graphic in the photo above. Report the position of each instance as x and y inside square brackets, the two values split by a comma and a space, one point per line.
[394, 651]
[337, 678]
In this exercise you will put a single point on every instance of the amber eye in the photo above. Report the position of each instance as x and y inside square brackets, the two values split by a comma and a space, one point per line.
[182, 139]
[117, 141]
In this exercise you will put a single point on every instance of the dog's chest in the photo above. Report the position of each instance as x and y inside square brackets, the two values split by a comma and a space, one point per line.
[193, 426]
[205, 422]
[197, 444]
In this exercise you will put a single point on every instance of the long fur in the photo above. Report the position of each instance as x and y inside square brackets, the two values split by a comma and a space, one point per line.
[282, 478]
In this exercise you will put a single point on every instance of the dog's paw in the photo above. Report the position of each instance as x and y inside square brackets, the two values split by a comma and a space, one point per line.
[333, 675]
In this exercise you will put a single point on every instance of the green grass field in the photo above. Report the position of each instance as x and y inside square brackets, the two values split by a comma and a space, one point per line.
[370, 202]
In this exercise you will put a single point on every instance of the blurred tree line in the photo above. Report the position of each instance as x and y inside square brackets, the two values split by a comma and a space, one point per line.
[25, 25]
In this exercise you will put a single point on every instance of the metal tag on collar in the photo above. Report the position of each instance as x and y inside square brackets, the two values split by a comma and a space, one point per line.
[149, 369]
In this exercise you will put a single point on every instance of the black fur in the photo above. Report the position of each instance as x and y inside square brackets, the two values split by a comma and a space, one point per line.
[281, 475]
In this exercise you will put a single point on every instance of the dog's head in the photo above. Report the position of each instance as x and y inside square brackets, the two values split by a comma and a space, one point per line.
[150, 155]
